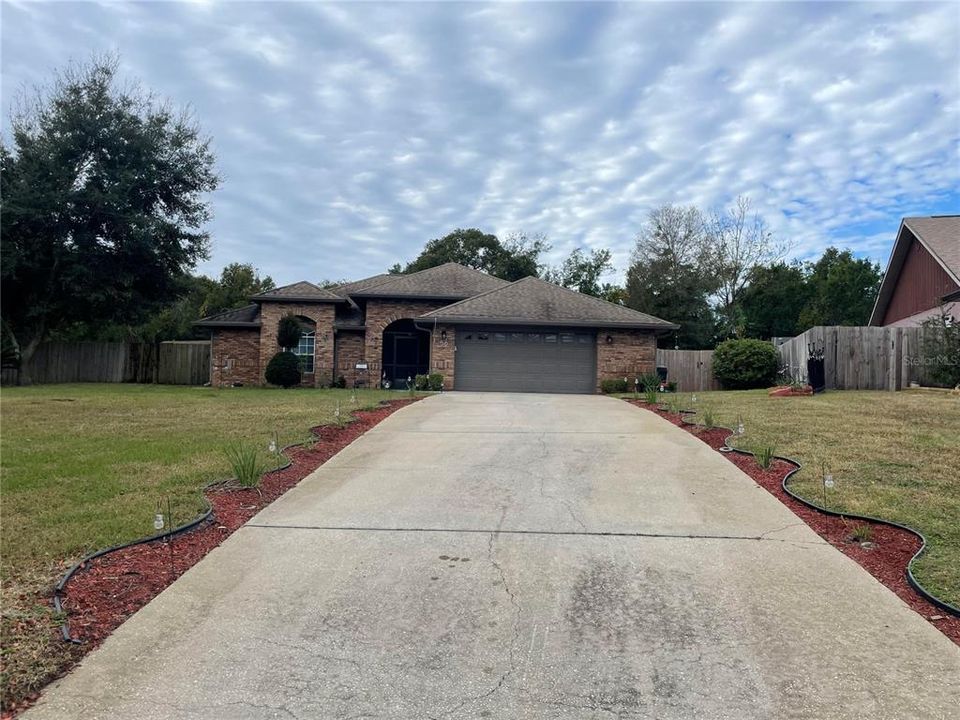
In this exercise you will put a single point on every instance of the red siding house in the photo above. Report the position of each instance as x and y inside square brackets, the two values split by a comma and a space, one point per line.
[923, 274]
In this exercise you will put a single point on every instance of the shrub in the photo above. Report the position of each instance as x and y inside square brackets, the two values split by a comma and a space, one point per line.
[289, 331]
[421, 382]
[245, 463]
[744, 364]
[650, 381]
[764, 455]
[862, 533]
[340, 382]
[435, 381]
[613, 385]
[706, 415]
[283, 369]
[650, 397]
[941, 349]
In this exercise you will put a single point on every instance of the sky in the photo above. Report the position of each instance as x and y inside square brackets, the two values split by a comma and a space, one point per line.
[348, 135]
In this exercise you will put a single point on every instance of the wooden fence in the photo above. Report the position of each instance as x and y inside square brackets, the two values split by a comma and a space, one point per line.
[691, 370]
[860, 358]
[170, 363]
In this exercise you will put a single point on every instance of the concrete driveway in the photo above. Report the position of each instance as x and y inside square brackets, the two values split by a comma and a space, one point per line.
[521, 556]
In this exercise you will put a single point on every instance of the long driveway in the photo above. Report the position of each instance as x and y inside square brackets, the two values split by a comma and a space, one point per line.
[521, 556]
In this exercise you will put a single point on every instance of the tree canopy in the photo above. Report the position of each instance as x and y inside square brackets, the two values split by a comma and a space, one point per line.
[512, 259]
[843, 290]
[104, 201]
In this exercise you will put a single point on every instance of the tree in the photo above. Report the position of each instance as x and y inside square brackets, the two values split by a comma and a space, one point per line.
[842, 290]
[513, 259]
[739, 241]
[104, 197]
[582, 272]
[238, 281]
[771, 304]
[289, 332]
[940, 341]
[671, 276]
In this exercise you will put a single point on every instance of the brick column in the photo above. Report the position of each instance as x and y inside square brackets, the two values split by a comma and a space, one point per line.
[629, 354]
[443, 354]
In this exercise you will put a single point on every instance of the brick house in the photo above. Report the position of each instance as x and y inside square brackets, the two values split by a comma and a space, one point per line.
[478, 331]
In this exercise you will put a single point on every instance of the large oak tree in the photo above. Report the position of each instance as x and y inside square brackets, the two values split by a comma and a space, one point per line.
[104, 201]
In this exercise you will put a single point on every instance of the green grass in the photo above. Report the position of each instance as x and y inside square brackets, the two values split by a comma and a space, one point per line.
[83, 466]
[892, 455]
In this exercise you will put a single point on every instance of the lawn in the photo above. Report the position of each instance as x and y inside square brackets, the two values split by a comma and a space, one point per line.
[84, 466]
[892, 455]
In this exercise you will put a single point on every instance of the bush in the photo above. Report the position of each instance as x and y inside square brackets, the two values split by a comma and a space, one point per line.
[340, 382]
[283, 370]
[764, 455]
[745, 364]
[289, 331]
[649, 381]
[940, 343]
[435, 381]
[617, 385]
[245, 462]
[421, 382]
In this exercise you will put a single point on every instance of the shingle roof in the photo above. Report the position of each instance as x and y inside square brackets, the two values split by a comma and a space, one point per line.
[348, 288]
[302, 291]
[533, 301]
[248, 316]
[450, 281]
[941, 235]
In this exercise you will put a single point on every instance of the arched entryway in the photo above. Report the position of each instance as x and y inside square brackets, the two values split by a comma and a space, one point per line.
[405, 354]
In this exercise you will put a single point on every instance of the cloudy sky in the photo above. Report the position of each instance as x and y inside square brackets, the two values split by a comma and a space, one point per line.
[349, 134]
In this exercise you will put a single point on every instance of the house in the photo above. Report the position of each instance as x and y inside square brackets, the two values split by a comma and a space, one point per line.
[478, 331]
[923, 273]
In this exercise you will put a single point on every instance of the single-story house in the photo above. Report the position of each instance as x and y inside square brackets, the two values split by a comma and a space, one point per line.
[478, 331]
[923, 273]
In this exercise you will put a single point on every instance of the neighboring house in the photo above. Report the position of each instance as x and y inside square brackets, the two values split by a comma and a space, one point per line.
[923, 274]
[478, 331]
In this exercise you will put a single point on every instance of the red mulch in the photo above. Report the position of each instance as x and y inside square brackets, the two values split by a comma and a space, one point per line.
[113, 587]
[886, 560]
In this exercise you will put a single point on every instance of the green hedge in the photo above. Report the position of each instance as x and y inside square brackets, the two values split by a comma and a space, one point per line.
[283, 370]
[745, 364]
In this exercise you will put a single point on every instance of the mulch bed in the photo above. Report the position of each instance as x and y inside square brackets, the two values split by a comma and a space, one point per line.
[887, 556]
[113, 587]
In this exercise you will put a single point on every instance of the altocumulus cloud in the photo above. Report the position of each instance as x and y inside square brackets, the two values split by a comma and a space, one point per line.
[348, 135]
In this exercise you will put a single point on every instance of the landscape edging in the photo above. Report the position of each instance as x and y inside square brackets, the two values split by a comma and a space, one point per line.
[797, 466]
[60, 587]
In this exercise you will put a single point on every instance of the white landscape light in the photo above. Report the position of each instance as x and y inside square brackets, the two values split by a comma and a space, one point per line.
[158, 521]
[740, 428]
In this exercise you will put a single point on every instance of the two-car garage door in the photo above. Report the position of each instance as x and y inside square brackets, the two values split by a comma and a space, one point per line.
[526, 360]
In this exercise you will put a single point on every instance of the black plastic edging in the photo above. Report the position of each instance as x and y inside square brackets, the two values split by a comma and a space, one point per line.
[208, 515]
[797, 466]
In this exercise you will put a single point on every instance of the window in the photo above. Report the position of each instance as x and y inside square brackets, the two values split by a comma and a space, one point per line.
[566, 337]
[550, 338]
[583, 338]
[483, 337]
[533, 337]
[516, 337]
[468, 337]
[304, 351]
[499, 337]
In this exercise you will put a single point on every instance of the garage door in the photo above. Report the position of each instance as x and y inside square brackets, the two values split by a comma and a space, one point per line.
[526, 360]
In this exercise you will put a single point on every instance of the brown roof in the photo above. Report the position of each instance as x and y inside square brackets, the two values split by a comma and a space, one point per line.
[939, 234]
[533, 301]
[450, 281]
[348, 288]
[248, 316]
[298, 292]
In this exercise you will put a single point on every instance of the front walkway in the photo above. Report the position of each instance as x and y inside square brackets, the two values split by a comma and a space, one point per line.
[521, 556]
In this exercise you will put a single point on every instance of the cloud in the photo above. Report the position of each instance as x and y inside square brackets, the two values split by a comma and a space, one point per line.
[348, 135]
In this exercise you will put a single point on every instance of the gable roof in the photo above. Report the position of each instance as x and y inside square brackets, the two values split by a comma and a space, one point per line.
[298, 292]
[939, 235]
[450, 281]
[532, 301]
[248, 316]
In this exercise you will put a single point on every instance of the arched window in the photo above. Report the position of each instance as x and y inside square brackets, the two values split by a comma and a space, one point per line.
[304, 350]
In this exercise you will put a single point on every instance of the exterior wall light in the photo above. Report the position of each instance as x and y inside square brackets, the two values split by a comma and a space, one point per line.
[443, 336]
[609, 340]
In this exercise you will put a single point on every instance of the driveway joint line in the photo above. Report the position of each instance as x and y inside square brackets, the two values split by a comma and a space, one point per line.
[562, 533]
